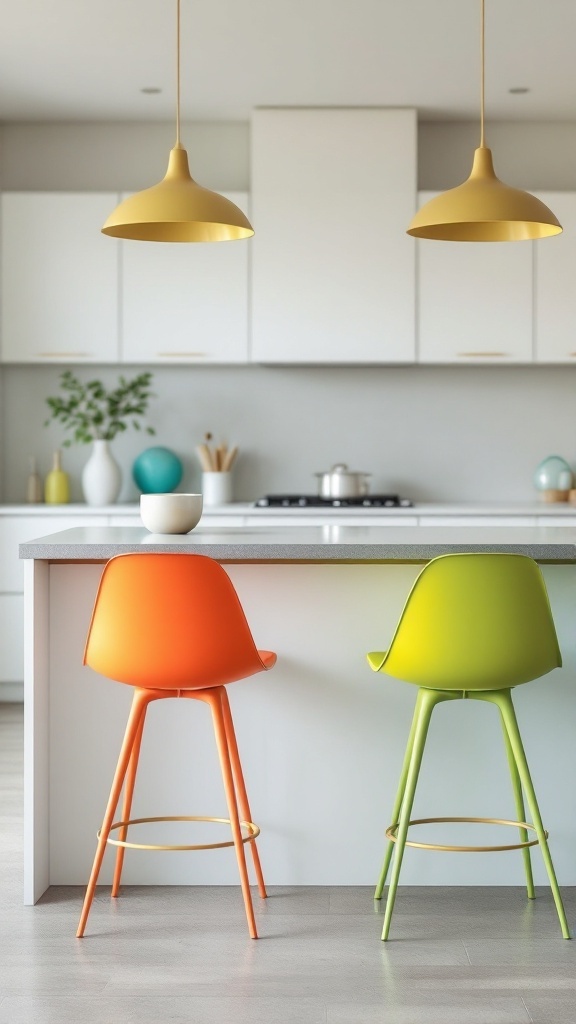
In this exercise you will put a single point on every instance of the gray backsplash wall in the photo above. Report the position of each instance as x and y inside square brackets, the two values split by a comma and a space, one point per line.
[445, 433]
[431, 433]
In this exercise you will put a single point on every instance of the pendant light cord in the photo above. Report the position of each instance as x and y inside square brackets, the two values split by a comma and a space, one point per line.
[482, 62]
[178, 146]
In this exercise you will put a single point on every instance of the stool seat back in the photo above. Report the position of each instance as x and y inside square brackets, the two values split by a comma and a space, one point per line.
[474, 622]
[169, 621]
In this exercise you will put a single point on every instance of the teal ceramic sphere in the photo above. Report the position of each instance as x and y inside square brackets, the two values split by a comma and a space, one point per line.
[157, 471]
[553, 474]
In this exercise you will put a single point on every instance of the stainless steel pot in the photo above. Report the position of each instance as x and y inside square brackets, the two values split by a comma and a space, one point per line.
[341, 482]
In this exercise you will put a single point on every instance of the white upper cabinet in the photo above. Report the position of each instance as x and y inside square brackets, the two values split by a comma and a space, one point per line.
[59, 278]
[186, 303]
[474, 301]
[333, 270]
[555, 292]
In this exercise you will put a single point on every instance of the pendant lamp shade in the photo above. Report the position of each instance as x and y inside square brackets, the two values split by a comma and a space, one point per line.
[177, 209]
[483, 208]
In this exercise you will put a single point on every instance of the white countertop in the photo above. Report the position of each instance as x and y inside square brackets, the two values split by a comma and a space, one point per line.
[533, 508]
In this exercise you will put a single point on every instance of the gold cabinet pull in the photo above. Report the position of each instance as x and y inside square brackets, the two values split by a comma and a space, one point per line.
[483, 355]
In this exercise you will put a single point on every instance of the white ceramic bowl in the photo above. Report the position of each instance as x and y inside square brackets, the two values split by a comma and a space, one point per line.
[170, 513]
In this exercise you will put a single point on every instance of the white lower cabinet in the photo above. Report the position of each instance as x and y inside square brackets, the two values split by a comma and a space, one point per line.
[11, 638]
[486, 521]
[15, 530]
[328, 520]
[556, 520]
[222, 522]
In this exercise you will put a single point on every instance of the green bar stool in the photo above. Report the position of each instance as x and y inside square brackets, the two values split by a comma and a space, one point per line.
[474, 626]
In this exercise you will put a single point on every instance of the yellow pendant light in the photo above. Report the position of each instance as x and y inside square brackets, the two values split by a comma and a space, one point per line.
[177, 209]
[483, 208]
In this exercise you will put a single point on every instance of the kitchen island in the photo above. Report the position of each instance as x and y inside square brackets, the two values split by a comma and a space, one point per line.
[321, 736]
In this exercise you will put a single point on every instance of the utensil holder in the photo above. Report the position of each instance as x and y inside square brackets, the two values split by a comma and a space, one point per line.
[217, 488]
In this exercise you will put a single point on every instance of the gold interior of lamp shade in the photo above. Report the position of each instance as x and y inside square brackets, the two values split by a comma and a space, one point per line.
[484, 209]
[177, 209]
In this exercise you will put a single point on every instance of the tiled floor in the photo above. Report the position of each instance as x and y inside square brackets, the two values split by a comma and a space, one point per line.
[468, 956]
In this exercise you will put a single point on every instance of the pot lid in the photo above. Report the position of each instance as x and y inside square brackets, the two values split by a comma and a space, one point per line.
[342, 469]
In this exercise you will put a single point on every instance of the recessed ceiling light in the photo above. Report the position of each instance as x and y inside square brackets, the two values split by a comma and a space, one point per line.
[519, 90]
[151, 90]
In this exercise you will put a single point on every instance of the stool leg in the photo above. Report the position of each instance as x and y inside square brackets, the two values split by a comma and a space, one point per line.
[127, 803]
[520, 812]
[397, 805]
[138, 703]
[241, 786]
[504, 701]
[214, 698]
[424, 707]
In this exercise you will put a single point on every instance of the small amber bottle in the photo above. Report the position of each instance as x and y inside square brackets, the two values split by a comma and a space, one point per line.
[57, 483]
[34, 487]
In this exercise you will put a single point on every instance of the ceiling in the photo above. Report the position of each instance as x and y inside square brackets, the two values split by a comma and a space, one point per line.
[82, 60]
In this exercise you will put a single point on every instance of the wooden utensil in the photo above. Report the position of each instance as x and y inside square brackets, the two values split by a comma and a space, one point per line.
[221, 456]
[205, 457]
[216, 460]
[229, 459]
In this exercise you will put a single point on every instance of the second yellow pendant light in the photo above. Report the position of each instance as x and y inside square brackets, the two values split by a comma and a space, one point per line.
[483, 208]
[177, 209]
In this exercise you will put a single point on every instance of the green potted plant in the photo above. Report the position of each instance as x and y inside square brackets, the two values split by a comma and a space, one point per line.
[96, 414]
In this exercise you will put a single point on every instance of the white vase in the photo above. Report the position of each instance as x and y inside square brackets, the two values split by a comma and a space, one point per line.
[101, 476]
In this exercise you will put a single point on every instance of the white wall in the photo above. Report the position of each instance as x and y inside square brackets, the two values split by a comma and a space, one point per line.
[530, 155]
[132, 156]
[462, 433]
[120, 156]
[450, 433]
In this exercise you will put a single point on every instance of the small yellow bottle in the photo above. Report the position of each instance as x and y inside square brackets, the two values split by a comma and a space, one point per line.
[57, 483]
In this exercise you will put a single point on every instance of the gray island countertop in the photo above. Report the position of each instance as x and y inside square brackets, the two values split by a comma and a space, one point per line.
[309, 544]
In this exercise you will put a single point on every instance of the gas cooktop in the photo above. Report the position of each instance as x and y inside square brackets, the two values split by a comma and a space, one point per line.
[313, 501]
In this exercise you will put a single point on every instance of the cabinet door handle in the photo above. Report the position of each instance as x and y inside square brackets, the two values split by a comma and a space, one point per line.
[62, 355]
[483, 355]
[181, 355]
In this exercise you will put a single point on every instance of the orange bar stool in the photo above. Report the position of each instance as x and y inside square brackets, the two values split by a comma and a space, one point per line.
[172, 626]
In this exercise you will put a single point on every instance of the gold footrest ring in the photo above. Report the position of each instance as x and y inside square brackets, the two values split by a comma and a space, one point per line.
[391, 835]
[252, 830]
